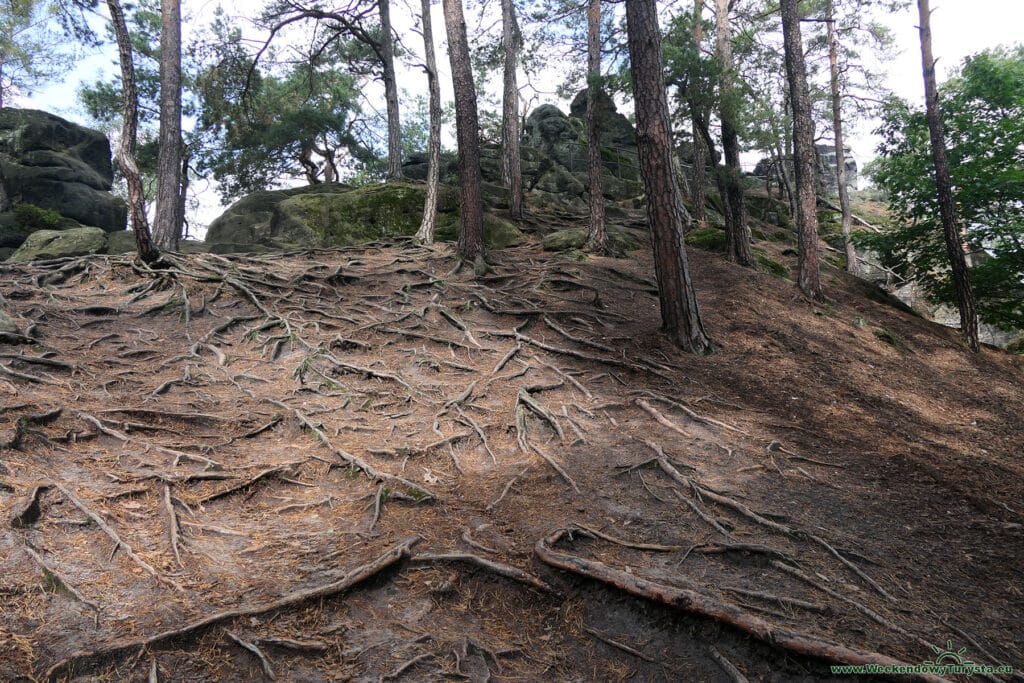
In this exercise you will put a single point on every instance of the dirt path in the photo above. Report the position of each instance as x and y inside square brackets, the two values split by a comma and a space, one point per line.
[357, 465]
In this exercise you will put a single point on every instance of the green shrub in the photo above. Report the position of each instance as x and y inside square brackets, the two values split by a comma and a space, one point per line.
[29, 217]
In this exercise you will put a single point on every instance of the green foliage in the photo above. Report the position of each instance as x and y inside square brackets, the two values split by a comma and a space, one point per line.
[29, 218]
[983, 110]
[31, 52]
[265, 124]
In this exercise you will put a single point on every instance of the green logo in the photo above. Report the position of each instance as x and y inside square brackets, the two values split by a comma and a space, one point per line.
[949, 656]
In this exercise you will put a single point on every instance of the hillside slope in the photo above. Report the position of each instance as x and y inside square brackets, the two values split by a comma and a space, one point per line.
[841, 482]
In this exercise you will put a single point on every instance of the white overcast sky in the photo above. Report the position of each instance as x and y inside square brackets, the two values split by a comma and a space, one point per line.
[959, 28]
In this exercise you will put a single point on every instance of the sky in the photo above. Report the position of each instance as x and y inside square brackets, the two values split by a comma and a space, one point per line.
[959, 28]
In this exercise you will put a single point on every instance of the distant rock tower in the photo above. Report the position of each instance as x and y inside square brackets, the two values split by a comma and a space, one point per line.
[827, 176]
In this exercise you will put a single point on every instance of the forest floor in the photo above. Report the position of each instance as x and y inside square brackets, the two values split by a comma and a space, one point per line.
[358, 464]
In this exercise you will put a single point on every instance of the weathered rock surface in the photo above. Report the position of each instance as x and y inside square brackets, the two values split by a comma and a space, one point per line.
[55, 164]
[48, 244]
[10, 333]
[338, 215]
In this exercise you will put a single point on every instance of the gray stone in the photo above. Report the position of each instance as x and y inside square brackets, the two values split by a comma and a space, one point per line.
[248, 220]
[48, 244]
[8, 326]
[55, 164]
[121, 242]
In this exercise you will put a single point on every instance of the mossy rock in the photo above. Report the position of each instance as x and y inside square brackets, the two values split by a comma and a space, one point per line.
[498, 232]
[709, 239]
[768, 209]
[766, 264]
[357, 216]
[48, 244]
[621, 239]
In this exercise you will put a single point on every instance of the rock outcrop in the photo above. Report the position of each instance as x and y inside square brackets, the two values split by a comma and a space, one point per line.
[48, 244]
[51, 163]
[336, 215]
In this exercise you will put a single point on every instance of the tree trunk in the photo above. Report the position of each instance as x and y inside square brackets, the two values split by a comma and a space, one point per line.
[837, 126]
[809, 279]
[167, 222]
[680, 314]
[387, 54]
[126, 145]
[943, 184]
[597, 235]
[426, 231]
[467, 126]
[737, 232]
[511, 165]
[699, 153]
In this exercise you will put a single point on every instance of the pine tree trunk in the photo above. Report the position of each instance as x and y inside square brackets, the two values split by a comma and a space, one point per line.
[390, 92]
[427, 227]
[126, 145]
[737, 232]
[511, 164]
[809, 279]
[167, 223]
[680, 314]
[597, 235]
[944, 186]
[700, 159]
[470, 245]
[837, 126]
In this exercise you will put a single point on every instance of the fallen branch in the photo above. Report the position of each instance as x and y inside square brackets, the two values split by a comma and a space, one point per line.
[81, 661]
[702, 605]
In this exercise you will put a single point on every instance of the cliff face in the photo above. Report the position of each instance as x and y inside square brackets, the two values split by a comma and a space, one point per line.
[51, 163]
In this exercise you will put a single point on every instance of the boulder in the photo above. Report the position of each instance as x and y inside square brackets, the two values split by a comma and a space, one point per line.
[48, 244]
[336, 215]
[51, 163]
[621, 239]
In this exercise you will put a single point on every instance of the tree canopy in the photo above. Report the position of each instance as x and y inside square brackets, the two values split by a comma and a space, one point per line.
[983, 110]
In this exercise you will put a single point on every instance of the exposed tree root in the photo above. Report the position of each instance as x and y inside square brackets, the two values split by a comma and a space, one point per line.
[702, 605]
[120, 544]
[83, 661]
[505, 570]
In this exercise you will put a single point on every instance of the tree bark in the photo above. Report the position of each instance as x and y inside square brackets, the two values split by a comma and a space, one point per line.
[837, 127]
[390, 92]
[730, 181]
[148, 252]
[597, 235]
[427, 227]
[168, 222]
[511, 164]
[680, 314]
[467, 125]
[699, 152]
[944, 186]
[809, 279]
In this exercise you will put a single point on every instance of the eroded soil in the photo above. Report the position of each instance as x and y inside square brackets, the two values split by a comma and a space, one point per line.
[354, 465]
